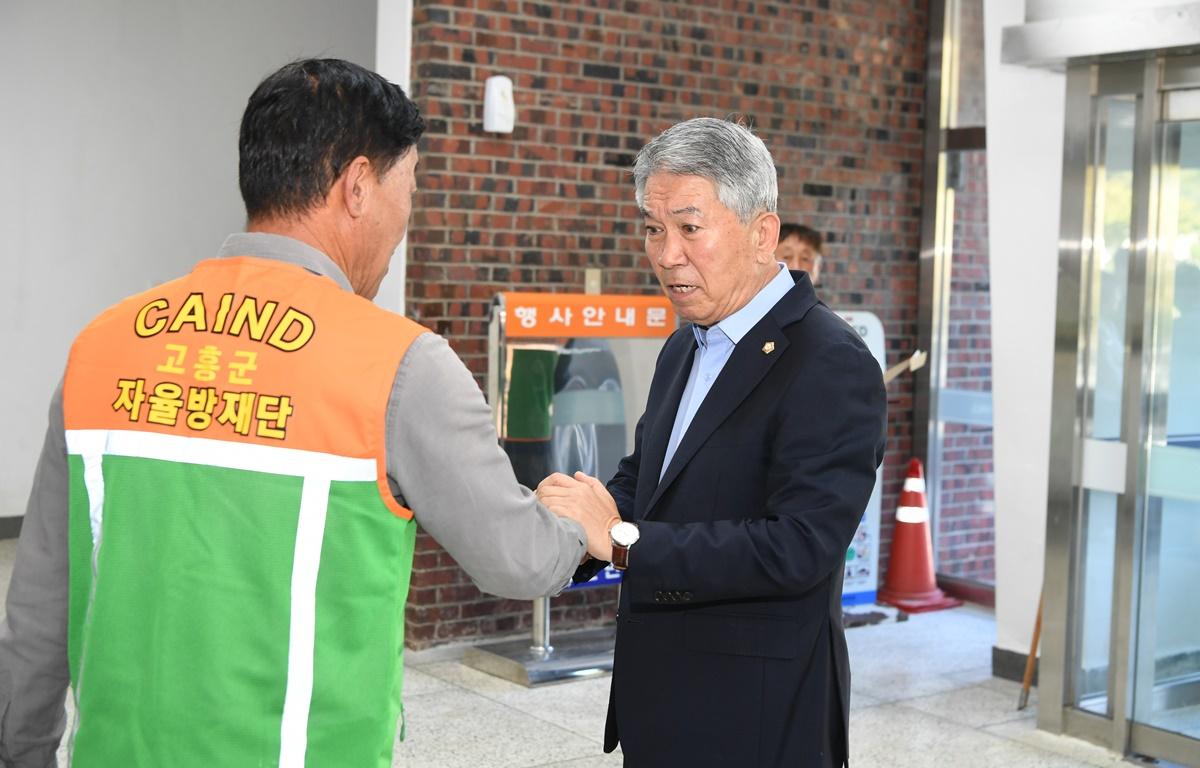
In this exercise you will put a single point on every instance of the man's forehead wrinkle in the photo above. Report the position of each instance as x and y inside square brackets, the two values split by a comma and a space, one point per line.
[688, 210]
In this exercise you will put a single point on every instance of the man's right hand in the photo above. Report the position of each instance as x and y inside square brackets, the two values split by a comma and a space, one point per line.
[585, 500]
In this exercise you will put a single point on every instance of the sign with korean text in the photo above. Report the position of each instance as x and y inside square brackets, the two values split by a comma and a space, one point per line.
[862, 558]
[555, 315]
[198, 363]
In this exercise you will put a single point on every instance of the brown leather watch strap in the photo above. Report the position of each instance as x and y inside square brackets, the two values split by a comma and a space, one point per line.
[620, 556]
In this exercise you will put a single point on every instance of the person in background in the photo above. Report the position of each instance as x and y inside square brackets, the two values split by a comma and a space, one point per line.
[800, 248]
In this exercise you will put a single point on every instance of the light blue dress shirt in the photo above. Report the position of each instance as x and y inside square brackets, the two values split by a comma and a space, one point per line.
[716, 345]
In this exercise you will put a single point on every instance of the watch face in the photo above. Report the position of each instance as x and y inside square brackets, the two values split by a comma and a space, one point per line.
[624, 534]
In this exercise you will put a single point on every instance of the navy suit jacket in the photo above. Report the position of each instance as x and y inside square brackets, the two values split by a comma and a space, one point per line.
[730, 649]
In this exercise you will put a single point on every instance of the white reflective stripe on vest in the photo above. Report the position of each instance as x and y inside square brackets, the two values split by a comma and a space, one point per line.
[310, 532]
[251, 457]
[90, 447]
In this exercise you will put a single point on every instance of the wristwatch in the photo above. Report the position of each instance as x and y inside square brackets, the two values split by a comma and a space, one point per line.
[623, 536]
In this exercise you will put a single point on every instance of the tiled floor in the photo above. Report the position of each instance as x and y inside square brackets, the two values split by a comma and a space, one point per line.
[923, 695]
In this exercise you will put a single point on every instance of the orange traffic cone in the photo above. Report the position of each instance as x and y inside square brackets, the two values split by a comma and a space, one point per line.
[910, 583]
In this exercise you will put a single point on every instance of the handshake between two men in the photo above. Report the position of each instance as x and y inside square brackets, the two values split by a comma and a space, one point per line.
[730, 650]
[585, 500]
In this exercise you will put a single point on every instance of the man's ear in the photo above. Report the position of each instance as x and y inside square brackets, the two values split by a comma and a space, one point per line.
[354, 186]
[765, 229]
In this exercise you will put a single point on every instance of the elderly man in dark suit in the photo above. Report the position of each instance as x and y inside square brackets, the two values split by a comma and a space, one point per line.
[751, 467]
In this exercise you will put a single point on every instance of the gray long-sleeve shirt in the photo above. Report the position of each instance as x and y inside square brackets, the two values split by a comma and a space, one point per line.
[443, 462]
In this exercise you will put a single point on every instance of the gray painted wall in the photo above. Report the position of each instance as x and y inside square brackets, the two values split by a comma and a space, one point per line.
[118, 155]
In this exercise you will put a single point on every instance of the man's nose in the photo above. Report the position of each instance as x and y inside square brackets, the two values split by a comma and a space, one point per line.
[673, 252]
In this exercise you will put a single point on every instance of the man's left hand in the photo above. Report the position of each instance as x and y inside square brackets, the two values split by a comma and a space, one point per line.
[585, 500]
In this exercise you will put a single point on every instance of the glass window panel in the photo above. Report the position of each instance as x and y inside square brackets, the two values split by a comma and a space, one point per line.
[965, 505]
[966, 519]
[1183, 262]
[1095, 611]
[966, 87]
[1111, 245]
[1169, 626]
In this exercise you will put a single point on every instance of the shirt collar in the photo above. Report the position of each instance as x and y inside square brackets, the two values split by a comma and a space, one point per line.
[280, 248]
[739, 323]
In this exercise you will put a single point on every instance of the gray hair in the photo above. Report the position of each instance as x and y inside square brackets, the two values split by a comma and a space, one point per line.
[726, 153]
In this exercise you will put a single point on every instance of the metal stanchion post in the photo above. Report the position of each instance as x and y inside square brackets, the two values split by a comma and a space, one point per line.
[541, 627]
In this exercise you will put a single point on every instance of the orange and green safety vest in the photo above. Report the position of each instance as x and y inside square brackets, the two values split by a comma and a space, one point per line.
[238, 566]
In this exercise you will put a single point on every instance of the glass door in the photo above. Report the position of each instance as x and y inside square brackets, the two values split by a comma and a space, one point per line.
[1121, 642]
[1167, 670]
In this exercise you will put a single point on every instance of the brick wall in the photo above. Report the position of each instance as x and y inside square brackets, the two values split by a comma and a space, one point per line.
[835, 88]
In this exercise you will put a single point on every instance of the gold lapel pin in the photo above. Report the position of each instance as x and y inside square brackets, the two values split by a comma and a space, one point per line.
[768, 348]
